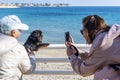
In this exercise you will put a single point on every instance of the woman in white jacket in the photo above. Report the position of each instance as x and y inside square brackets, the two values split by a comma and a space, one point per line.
[14, 59]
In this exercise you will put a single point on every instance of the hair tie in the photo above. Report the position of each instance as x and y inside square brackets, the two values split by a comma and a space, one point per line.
[92, 19]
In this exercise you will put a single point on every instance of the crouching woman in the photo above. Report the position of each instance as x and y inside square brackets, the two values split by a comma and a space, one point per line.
[103, 59]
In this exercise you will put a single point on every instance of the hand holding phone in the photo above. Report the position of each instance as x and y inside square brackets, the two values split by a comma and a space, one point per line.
[74, 49]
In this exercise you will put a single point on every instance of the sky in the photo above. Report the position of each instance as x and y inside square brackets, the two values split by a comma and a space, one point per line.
[71, 2]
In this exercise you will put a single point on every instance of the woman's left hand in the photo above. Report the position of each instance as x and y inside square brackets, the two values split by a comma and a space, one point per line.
[30, 52]
[84, 55]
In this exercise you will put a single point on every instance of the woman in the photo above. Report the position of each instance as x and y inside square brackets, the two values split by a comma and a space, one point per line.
[103, 58]
[14, 60]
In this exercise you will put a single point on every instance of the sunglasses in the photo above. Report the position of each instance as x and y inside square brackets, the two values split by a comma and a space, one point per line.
[20, 30]
[81, 32]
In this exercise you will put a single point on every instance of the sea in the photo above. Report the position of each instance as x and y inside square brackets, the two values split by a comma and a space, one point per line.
[55, 21]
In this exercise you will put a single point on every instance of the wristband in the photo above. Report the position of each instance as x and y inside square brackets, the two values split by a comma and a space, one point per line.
[76, 54]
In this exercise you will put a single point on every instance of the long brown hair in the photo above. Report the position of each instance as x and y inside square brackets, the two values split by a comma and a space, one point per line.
[93, 24]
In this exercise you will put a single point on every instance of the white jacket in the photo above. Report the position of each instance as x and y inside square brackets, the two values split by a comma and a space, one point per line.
[14, 60]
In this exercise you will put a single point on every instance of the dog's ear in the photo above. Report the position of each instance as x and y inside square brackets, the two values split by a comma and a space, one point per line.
[42, 46]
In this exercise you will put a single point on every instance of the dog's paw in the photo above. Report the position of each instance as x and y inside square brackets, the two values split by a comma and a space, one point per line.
[43, 45]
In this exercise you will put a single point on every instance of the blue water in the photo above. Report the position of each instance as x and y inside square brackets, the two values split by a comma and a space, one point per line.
[54, 21]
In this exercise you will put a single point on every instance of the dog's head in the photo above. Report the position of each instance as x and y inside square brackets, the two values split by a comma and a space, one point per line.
[36, 37]
[34, 41]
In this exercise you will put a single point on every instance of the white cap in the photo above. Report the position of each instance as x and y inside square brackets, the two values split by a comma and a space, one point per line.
[12, 22]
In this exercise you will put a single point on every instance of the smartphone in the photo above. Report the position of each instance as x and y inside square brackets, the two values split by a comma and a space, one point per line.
[67, 36]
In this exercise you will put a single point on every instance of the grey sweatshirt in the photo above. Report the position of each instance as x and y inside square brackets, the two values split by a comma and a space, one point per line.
[105, 50]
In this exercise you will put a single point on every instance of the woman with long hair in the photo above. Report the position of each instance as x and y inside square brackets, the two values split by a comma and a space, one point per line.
[103, 59]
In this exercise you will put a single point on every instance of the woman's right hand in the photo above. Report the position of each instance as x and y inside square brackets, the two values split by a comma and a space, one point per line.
[70, 49]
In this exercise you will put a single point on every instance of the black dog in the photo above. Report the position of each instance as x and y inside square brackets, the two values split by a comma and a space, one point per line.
[34, 41]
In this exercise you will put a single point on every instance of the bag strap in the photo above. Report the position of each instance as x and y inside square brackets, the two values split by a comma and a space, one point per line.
[77, 51]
